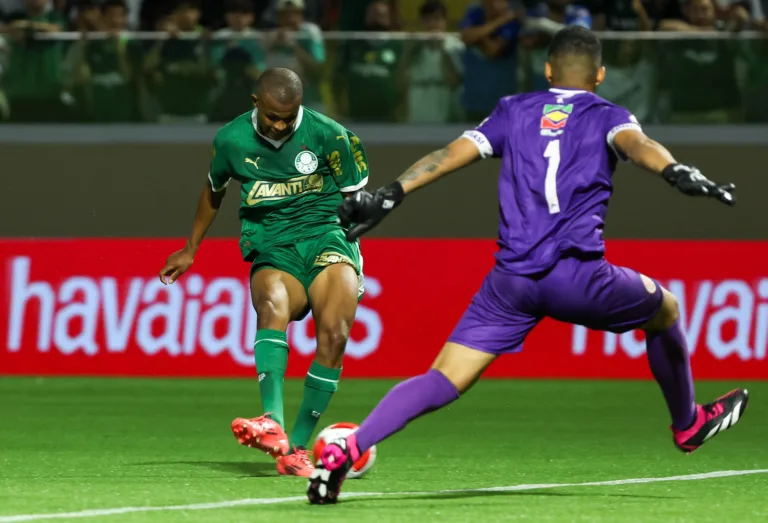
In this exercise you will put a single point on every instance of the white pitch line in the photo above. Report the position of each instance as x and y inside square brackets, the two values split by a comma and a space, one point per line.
[273, 501]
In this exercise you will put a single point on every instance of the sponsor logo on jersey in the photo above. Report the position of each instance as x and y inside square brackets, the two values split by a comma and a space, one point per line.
[255, 162]
[357, 153]
[271, 191]
[306, 162]
[554, 117]
[334, 162]
[332, 258]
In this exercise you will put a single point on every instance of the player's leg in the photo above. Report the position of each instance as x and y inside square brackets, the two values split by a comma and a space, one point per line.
[278, 297]
[606, 297]
[333, 295]
[669, 359]
[455, 370]
[497, 321]
[332, 276]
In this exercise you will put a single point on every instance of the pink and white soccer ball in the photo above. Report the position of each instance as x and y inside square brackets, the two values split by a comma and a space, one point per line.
[340, 431]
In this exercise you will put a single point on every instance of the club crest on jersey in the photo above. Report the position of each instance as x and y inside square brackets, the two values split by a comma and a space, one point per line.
[554, 117]
[306, 162]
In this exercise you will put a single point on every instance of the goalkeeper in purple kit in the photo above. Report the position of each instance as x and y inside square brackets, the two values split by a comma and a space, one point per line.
[558, 149]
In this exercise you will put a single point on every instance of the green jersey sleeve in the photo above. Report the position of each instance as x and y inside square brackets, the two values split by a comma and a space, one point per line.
[348, 162]
[220, 171]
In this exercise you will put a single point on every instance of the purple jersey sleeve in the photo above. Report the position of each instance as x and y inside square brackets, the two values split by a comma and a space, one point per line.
[618, 119]
[490, 135]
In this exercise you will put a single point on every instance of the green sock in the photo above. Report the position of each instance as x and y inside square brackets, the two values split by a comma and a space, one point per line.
[319, 386]
[271, 350]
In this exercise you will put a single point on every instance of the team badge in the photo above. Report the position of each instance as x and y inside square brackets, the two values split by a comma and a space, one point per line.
[553, 119]
[306, 162]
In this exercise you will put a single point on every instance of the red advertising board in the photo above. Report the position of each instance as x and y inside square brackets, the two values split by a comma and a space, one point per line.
[97, 307]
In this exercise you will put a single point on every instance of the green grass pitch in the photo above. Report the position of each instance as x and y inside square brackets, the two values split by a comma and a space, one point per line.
[71, 445]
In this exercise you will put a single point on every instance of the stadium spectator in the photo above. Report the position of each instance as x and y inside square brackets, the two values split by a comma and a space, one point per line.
[85, 16]
[33, 81]
[431, 70]
[701, 15]
[490, 31]
[746, 8]
[5, 110]
[314, 11]
[366, 79]
[297, 45]
[238, 60]
[107, 66]
[544, 20]
[8, 7]
[133, 8]
[688, 65]
[352, 15]
[179, 68]
[631, 73]
[621, 15]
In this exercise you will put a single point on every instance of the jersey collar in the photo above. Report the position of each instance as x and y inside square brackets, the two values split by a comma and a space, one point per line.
[277, 143]
[567, 93]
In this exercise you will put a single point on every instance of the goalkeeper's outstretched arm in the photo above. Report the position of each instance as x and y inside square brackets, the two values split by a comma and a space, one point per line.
[457, 154]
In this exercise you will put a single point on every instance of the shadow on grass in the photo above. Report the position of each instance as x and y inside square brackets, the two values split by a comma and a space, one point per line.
[238, 468]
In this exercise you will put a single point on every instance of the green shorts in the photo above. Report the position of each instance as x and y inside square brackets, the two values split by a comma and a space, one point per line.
[305, 259]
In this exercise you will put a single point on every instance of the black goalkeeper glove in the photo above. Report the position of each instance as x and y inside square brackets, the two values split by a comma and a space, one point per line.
[690, 181]
[363, 211]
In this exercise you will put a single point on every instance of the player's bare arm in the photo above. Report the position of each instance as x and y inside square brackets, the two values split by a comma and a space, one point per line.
[179, 262]
[365, 210]
[654, 157]
[457, 154]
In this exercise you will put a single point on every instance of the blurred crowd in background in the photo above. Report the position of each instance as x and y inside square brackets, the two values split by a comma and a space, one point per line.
[433, 61]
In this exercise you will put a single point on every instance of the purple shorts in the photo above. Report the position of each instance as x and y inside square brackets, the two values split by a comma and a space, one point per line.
[592, 293]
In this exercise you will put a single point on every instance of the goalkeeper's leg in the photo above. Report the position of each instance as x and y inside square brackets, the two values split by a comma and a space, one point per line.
[456, 369]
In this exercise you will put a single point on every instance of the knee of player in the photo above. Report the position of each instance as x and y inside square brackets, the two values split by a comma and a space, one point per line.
[333, 335]
[670, 310]
[272, 314]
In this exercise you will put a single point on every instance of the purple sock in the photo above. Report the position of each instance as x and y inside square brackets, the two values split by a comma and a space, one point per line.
[671, 366]
[407, 400]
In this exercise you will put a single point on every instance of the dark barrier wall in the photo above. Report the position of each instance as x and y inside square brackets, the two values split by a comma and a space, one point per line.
[151, 190]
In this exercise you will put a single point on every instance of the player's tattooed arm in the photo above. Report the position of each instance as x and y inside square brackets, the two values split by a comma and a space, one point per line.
[454, 156]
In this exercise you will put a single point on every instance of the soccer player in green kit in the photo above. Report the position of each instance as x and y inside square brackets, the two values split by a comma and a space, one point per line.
[294, 166]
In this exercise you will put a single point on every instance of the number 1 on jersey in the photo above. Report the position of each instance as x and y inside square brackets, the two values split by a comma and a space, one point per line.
[552, 153]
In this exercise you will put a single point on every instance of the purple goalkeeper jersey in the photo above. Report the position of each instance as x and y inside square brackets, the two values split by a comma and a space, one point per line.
[557, 160]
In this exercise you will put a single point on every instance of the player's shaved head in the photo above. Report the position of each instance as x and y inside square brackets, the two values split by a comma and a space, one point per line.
[278, 100]
[281, 84]
[575, 59]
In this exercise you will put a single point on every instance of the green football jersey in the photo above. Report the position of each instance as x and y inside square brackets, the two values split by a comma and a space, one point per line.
[291, 188]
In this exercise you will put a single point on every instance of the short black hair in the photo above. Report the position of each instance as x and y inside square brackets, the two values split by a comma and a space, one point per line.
[282, 84]
[107, 4]
[576, 41]
[239, 6]
[433, 7]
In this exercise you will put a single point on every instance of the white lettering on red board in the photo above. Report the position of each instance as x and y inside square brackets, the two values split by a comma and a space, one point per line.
[95, 315]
